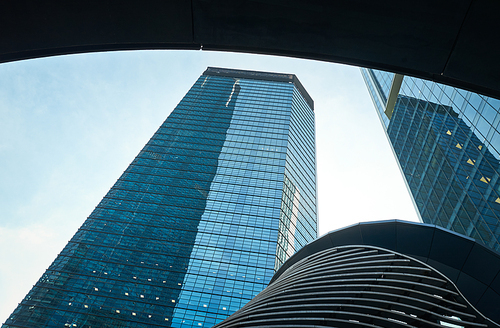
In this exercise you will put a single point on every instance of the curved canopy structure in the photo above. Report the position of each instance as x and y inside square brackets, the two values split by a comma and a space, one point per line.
[359, 286]
[450, 41]
[388, 274]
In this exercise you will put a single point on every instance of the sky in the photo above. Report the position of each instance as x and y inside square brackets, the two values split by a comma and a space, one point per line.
[70, 125]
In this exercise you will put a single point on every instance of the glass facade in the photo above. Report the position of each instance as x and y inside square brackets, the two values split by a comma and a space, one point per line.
[447, 143]
[217, 200]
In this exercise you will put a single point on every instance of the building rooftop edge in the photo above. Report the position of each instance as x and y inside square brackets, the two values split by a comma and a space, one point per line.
[259, 75]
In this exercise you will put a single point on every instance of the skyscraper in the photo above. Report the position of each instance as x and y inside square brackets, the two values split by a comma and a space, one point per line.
[217, 200]
[447, 143]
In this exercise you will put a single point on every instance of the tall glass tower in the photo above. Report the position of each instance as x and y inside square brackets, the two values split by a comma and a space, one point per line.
[447, 142]
[222, 194]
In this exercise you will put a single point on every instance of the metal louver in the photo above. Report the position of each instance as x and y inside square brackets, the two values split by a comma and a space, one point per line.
[359, 286]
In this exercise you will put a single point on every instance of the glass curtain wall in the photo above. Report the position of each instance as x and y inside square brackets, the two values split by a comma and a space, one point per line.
[447, 143]
[221, 195]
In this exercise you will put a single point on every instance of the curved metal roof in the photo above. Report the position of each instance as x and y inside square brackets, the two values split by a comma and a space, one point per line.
[448, 41]
[359, 286]
[472, 267]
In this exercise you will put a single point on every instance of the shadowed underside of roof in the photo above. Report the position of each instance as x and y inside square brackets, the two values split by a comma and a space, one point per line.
[449, 41]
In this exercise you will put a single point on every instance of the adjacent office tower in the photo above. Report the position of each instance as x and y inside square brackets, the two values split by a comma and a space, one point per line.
[447, 142]
[218, 199]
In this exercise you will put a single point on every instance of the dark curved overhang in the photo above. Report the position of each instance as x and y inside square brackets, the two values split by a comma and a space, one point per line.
[449, 41]
[472, 267]
[359, 286]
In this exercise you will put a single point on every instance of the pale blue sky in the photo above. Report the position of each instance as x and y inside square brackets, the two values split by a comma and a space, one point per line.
[70, 126]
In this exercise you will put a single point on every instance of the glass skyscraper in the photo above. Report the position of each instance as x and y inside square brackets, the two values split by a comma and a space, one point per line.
[447, 143]
[221, 195]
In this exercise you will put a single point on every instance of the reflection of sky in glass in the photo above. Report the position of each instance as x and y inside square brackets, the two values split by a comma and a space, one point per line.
[379, 86]
[300, 169]
[235, 249]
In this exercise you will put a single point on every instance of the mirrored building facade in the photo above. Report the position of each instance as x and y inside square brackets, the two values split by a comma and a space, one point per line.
[447, 143]
[221, 195]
